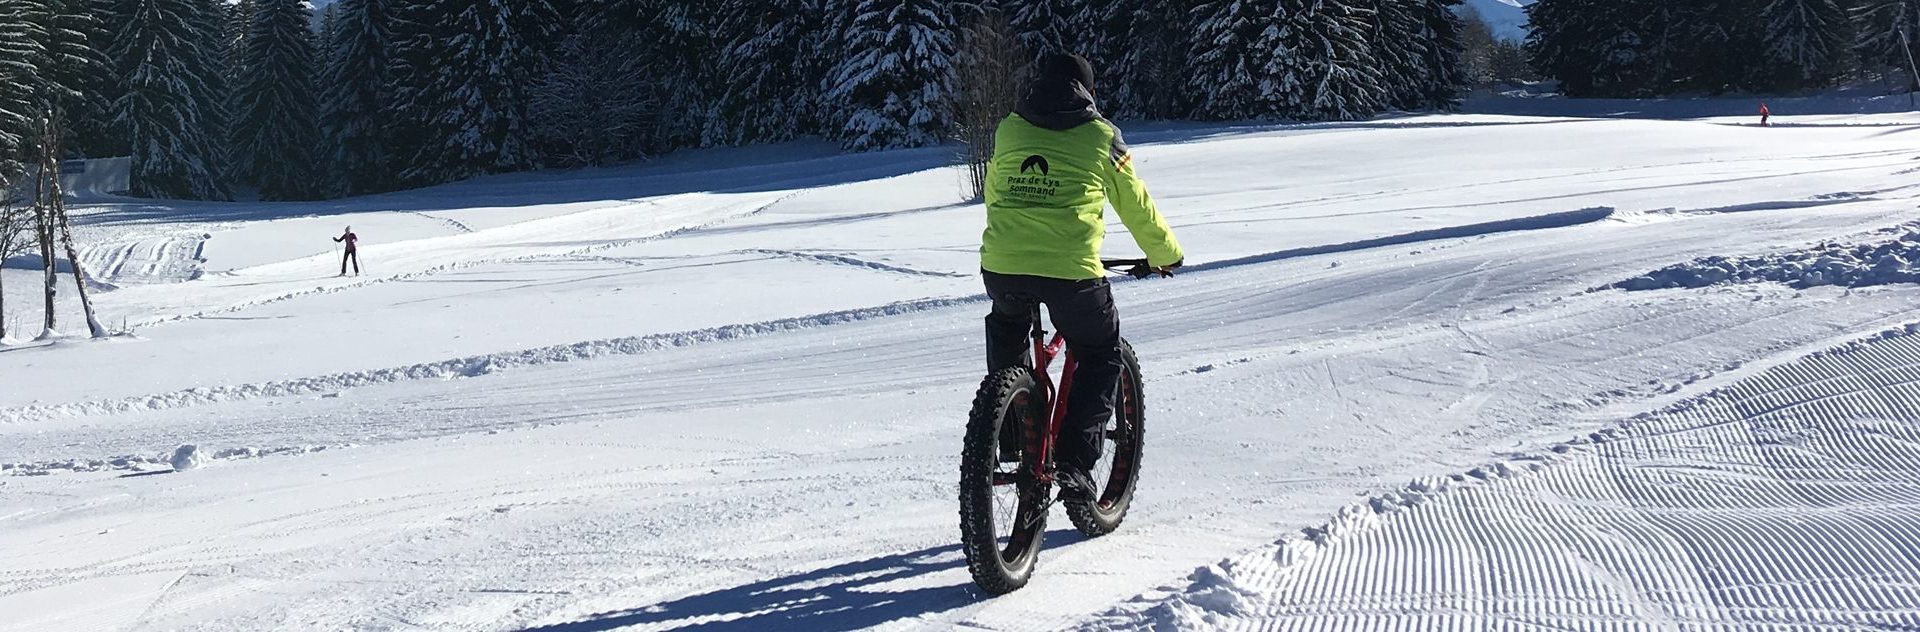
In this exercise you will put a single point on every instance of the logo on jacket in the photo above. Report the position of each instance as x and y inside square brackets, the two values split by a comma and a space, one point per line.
[1036, 161]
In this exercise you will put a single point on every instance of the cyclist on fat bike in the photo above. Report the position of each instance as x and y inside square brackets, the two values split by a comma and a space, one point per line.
[1056, 165]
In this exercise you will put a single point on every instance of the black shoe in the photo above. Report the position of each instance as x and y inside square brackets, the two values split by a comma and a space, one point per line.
[1076, 485]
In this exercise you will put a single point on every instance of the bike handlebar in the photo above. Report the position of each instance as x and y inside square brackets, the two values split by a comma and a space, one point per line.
[1136, 268]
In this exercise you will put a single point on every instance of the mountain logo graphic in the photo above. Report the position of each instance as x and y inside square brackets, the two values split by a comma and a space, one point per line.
[1036, 161]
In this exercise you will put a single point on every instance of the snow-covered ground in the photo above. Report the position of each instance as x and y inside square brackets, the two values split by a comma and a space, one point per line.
[727, 389]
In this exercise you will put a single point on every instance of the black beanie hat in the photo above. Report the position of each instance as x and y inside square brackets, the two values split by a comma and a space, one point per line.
[1056, 66]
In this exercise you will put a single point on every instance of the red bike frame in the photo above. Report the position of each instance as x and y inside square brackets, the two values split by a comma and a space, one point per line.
[1043, 354]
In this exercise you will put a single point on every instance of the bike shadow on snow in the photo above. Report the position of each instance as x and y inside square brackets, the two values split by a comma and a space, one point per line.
[848, 596]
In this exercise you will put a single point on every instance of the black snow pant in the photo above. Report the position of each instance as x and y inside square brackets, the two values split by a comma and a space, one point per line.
[1083, 312]
[353, 255]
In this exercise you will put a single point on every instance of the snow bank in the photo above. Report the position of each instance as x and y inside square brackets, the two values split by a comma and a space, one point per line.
[187, 457]
[1856, 265]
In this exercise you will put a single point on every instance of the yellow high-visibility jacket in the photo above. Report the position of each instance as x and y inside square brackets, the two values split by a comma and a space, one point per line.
[1048, 186]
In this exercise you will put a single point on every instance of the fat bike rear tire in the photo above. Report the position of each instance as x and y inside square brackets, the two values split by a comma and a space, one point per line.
[1119, 468]
[1003, 508]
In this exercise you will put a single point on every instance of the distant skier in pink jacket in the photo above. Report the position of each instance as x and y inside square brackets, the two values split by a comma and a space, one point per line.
[352, 253]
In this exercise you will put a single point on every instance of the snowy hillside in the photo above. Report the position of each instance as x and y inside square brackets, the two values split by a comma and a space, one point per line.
[1406, 382]
[1508, 17]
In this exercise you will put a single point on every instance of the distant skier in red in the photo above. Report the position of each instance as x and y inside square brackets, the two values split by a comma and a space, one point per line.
[352, 254]
[1764, 114]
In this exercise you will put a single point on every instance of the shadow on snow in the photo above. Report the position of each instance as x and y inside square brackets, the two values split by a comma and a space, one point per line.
[731, 170]
[845, 597]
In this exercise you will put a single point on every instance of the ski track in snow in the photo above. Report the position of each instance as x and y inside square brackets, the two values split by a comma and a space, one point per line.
[450, 222]
[439, 269]
[163, 259]
[1787, 500]
[843, 260]
[472, 366]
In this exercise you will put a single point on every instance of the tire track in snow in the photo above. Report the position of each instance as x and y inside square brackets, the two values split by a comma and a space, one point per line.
[1790, 499]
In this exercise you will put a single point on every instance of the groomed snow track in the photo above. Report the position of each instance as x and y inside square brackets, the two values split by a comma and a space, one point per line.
[1787, 500]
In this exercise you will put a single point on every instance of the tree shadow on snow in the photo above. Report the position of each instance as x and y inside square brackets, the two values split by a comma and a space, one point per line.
[845, 597]
[1188, 132]
[766, 168]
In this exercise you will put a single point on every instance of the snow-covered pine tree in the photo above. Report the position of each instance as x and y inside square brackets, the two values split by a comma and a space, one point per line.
[21, 36]
[679, 42]
[277, 126]
[1442, 44]
[96, 131]
[1685, 44]
[595, 101]
[1399, 42]
[218, 116]
[1140, 51]
[47, 62]
[1599, 47]
[1322, 66]
[323, 39]
[236, 25]
[1049, 26]
[686, 47]
[1554, 34]
[473, 61]
[356, 90]
[1110, 37]
[1805, 44]
[894, 83]
[1636, 48]
[69, 63]
[775, 63]
[1887, 34]
[170, 109]
[1229, 65]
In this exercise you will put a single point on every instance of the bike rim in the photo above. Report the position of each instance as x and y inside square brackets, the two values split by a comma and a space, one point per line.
[1012, 495]
[1115, 467]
